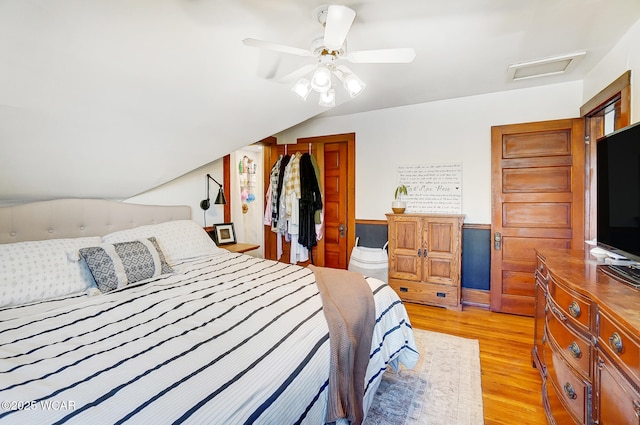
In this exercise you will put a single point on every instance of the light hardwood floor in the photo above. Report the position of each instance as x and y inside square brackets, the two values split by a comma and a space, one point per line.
[511, 386]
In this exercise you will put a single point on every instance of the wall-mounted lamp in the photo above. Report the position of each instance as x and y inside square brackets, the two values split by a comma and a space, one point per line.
[220, 199]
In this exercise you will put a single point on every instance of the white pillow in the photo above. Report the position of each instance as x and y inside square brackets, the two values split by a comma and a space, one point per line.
[39, 270]
[179, 239]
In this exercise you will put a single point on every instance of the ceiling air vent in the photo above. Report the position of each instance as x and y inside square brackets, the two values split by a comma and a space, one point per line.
[544, 67]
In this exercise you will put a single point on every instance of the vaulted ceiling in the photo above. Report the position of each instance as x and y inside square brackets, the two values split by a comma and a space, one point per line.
[109, 98]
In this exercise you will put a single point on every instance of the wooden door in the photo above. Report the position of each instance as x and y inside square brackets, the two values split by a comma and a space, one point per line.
[335, 205]
[537, 202]
[335, 155]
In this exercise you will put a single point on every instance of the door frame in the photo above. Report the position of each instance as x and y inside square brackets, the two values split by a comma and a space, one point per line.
[618, 91]
[350, 140]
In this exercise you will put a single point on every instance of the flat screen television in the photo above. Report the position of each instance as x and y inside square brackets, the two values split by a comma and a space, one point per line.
[618, 192]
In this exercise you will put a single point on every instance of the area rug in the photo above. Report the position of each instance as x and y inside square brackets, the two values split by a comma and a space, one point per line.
[444, 388]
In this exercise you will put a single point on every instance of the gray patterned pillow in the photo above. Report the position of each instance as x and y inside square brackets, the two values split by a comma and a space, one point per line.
[117, 265]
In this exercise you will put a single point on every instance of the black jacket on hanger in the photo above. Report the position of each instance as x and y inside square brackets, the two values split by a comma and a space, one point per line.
[310, 202]
[283, 164]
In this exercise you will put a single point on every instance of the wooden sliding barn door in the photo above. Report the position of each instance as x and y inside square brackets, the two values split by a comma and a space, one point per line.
[335, 155]
[537, 202]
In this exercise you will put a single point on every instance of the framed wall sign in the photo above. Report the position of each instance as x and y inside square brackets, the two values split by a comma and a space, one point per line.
[432, 188]
[224, 234]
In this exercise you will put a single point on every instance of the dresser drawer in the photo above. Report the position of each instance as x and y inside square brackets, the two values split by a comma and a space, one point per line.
[572, 390]
[542, 273]
[619, 401]
[426, 293]
[553, 402]
[574, 306]
[575, 348]
[613, 339]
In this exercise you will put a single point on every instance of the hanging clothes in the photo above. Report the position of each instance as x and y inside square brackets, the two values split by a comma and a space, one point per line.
[292, 183]
[268, 208]
[270, 198]
[310, 202]
[319, 215]
[292, 194]
[295, 210]
[277, 191]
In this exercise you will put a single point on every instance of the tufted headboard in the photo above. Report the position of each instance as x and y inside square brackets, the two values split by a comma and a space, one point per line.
[71, 218]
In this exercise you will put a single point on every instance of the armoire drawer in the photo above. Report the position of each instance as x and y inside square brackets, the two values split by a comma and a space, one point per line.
[426, 293]
[613, 339]
[575, 348]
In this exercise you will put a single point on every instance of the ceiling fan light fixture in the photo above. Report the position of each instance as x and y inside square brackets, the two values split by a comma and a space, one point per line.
[329, 48]
[321, 80]
[302, 88]
[353, 85]
[328, 98]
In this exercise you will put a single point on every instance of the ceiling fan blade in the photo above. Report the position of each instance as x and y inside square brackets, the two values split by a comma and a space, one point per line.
[297, 74]
[252, 42]
[339, 20]
[400, 55]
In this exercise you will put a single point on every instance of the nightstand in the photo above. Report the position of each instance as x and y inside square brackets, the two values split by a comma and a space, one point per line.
[240, 247]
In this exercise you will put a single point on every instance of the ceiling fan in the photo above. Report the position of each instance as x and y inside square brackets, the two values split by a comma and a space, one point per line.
[328, 49]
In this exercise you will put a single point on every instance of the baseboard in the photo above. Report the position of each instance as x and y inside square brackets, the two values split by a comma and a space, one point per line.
[475, 297]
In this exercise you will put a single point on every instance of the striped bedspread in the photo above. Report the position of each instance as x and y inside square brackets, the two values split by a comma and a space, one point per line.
[227, 339]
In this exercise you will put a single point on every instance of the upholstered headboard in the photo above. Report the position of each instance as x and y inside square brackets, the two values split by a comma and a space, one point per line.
[71, 218]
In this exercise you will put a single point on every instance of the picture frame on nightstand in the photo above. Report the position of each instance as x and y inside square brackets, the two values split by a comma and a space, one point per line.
[223, 234]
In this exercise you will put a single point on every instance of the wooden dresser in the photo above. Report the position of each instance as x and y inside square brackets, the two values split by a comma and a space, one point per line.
[587, 341]
[425, 253]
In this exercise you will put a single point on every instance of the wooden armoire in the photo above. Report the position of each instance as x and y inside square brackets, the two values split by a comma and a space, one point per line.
[425, 256]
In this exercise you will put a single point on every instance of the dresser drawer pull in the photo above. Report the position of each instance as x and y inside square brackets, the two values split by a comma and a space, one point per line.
[574, 309]
[558, 313]
[574, 348]
[569, 391]
[616, 343]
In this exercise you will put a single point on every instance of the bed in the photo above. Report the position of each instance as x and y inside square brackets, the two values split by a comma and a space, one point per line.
[113, 312]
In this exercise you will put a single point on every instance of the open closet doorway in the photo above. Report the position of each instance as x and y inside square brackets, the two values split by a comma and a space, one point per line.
[246, 193]
[335, 156]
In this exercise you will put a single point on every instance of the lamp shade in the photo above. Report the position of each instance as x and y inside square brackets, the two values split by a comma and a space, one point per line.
[328, 98]
[220, 199]
[321, 80]
[302, 88]
[353, 85]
